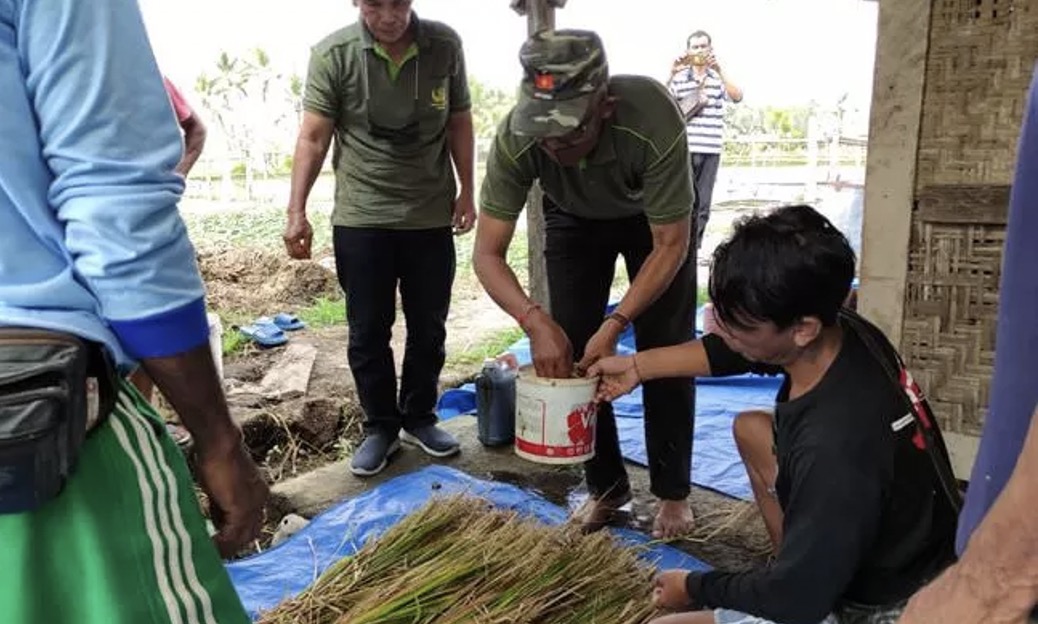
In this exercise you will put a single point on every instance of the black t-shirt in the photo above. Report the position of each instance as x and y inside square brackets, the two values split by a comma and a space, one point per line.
[865, 518]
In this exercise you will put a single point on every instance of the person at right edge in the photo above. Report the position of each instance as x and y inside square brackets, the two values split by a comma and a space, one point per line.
[99, 519]
[849, 470]
[609, 154]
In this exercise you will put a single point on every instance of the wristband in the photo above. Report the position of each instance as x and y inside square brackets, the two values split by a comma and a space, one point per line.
[526, 314]
[620, 318]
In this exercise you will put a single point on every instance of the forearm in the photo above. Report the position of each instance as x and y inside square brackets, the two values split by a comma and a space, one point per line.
[684, 360]
[1001, 559]
[306, 166]
[733, 91]
[653, 279]
[462, 142]
[194, 143]
[190, 383]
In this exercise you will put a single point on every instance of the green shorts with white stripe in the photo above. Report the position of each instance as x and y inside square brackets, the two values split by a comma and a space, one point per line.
[124, 543]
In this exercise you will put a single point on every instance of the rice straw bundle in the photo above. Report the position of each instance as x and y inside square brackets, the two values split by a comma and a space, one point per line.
[458, 560]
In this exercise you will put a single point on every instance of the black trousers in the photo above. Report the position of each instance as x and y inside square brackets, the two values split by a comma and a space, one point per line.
[581, 257]
[371, 263]
[704, 175]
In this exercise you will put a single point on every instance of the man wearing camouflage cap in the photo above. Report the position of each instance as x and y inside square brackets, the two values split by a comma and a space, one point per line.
[610, 155]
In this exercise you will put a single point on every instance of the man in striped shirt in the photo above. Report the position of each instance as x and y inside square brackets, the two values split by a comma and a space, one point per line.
[701, 88]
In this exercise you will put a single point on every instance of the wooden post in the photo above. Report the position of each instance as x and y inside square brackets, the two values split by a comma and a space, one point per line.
[902, 45]
[813, 136]
[834, 157]
[540, 15]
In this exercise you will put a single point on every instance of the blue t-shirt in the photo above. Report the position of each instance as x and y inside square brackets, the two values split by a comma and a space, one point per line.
[90, 239]
[1014, 393]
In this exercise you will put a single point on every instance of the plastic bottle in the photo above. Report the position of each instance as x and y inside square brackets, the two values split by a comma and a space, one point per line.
[495, 403]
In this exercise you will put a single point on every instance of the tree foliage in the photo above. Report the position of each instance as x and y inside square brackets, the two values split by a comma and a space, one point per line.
[489, 107]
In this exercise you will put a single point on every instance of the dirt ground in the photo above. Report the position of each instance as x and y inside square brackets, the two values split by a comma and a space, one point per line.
[262, 282]
[298, 438]
[287, 435]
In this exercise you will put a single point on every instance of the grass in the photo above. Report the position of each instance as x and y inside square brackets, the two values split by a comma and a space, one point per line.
[233, 342]
[259, 226]
[459, 560]
[324, 312]
[491, 346]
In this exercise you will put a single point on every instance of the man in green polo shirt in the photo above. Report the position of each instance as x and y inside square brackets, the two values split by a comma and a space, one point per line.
[392, 91]
[610, 155]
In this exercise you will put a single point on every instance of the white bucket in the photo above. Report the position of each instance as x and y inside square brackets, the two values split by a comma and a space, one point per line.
[555, 418]
[216, 341]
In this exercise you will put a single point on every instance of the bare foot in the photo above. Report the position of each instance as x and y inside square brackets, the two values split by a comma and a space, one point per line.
[674, 519]
[596, 513]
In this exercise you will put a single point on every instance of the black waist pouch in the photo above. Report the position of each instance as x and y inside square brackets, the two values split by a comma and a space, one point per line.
[53, 388]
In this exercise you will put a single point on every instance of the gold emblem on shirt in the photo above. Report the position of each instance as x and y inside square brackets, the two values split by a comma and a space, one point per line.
[438, 99]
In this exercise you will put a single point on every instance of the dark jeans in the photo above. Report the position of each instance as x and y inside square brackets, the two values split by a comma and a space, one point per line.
[371, 262]
[581, 257]
[704, 175]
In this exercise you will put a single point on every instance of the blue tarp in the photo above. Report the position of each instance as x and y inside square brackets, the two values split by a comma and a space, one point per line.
[286, 570]
[715, 460]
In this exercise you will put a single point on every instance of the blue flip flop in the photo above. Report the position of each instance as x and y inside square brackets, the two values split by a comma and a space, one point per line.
[264, 334]
[288, 322]
[283, 321]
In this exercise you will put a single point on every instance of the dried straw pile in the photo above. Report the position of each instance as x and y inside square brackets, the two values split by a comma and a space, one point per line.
[457, 560]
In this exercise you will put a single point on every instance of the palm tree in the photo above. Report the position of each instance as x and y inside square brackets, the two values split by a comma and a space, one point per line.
[224, 94]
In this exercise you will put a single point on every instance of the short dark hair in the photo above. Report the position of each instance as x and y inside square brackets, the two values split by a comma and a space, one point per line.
[696, 35]
[782, 267]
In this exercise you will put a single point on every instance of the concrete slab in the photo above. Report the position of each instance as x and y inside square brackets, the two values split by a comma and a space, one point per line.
[731, 533]
[289, 378]
[311, 493]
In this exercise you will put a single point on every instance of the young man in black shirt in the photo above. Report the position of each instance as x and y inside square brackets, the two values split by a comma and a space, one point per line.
[849, 471]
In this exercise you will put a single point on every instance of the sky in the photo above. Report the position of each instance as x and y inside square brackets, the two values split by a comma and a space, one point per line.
[781, 52]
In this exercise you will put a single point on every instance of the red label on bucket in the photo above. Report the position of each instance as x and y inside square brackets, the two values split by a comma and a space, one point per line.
[580, 430]
[579, 423]
[554, 451]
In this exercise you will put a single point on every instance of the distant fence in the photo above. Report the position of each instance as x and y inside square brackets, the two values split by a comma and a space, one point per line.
[786, 170]
[751, 168]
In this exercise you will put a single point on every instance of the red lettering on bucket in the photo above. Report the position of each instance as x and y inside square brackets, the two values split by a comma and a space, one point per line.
[544, 450]
[579, 422]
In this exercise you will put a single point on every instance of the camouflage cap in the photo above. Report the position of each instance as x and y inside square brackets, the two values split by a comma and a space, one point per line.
[563, 71]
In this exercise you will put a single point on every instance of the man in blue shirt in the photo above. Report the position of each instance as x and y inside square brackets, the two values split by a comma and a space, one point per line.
[93, 248]
[996, 579]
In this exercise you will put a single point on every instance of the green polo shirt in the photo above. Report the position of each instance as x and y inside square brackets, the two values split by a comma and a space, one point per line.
[640, 164]
[392, 164]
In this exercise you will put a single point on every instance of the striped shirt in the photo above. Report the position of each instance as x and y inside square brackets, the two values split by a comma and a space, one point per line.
[706, 130]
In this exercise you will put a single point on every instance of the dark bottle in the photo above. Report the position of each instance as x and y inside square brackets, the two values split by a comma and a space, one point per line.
[495, 403]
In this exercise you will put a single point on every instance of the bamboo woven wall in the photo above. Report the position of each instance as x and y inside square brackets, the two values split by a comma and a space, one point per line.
[980, 60]
[979, 66]
[951, 299]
